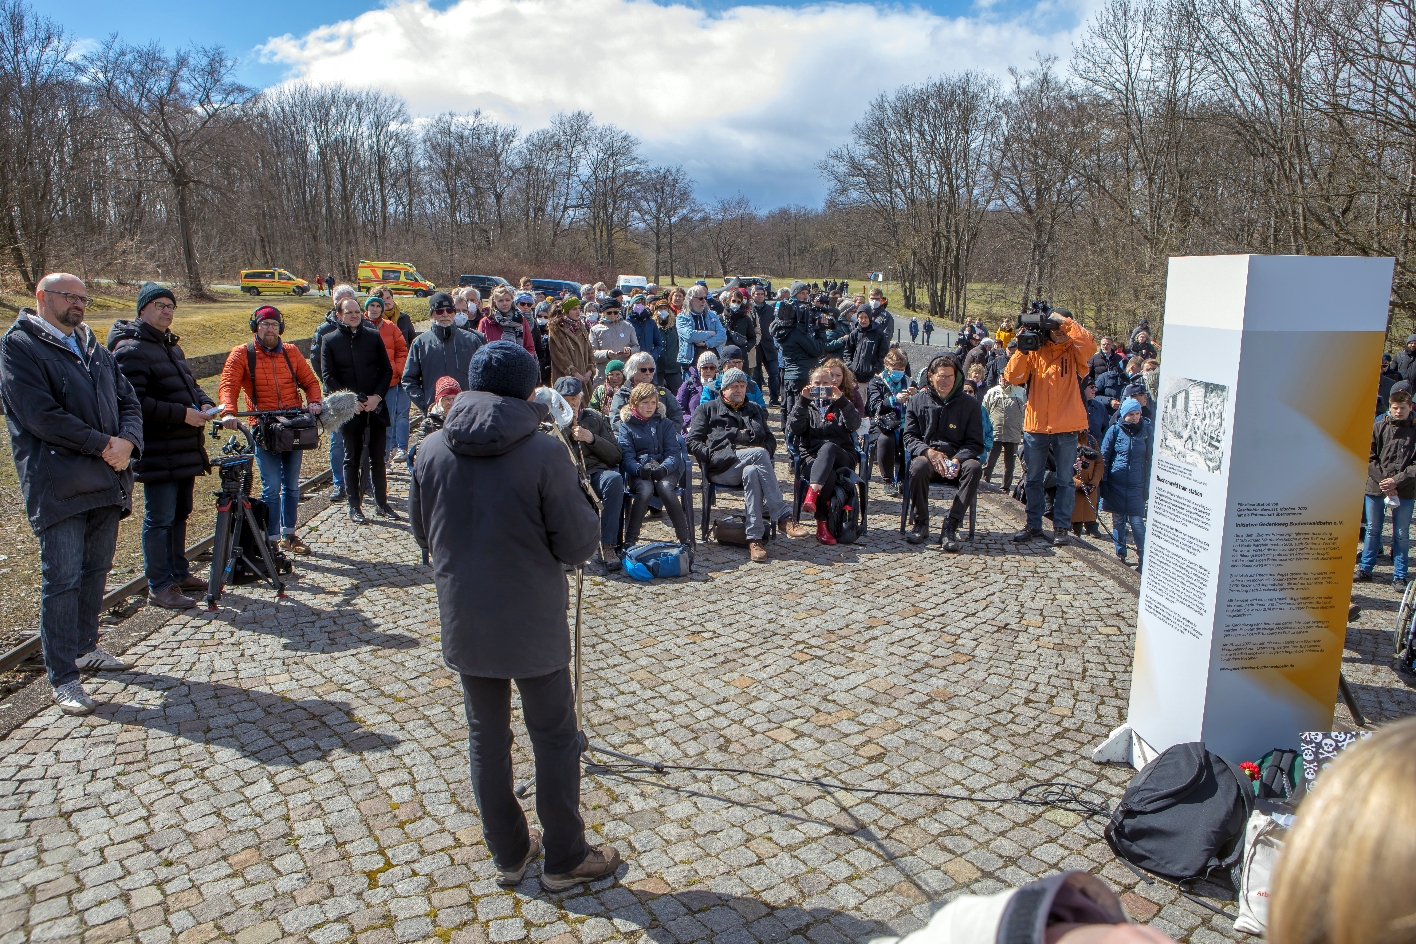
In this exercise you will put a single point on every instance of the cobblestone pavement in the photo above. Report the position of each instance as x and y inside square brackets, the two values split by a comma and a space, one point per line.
[298, 771]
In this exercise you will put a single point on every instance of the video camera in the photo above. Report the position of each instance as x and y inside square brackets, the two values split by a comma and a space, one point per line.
[1035, 324]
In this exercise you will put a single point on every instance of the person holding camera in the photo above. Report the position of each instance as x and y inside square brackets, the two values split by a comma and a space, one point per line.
[273, 375]
[729, 435]
[355, 358]
[822, 422]
[1052, 417]
[175, 411]
[943, 439]
[652, 459]
[794, 330]
[886, 397]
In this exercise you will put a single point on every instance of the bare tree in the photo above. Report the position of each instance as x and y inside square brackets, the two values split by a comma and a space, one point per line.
[663, 200]
[728, 229]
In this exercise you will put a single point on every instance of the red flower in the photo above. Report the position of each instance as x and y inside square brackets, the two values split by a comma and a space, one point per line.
[831, 417]
[1250, 768]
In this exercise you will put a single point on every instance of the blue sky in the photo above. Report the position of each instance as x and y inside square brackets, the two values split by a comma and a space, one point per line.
[747, 98]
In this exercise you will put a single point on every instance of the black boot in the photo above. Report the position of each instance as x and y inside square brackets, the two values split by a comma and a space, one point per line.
[919, 534]
[385, 511]
[1060, 538]
[356, 512]
[951, 537]
[1027, 534]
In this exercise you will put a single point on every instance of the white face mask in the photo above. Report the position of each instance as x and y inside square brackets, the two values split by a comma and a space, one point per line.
[460, 318]
[875, 303]
[638, 309]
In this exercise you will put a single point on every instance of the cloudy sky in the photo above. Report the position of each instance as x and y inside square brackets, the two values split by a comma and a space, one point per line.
[747, 97]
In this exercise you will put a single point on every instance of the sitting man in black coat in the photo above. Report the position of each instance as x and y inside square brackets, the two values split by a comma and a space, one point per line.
[944, 438]
[500, 508]
[730, 436]
[175, 410]
[354, 358]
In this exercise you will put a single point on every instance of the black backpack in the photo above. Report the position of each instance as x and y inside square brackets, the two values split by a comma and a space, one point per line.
[249, 551]
[843, 510]
[1183, 816]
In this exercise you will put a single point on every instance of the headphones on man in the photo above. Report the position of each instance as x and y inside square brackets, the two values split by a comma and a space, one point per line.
[256, 317]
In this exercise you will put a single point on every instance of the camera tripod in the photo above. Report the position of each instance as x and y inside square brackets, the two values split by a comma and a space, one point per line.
[586, 745]
[233, 512]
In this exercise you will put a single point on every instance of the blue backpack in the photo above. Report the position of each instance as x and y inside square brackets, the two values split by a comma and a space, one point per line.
[658, 559]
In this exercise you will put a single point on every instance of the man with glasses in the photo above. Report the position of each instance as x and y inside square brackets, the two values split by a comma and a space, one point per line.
[441, 351]
[75, 423]
[699, 329]
[639, 369]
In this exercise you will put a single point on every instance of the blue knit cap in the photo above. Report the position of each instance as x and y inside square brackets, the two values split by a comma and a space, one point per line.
[1127, 406]
[504, 368]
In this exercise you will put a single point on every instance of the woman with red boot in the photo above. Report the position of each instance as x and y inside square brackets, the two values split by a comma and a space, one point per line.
[821, 423]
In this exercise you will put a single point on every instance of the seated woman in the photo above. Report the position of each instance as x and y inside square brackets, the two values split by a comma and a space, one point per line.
[604, 394]
[885, 399]
[822, 428]
[690, 392]
[653, 460]
[842, 377]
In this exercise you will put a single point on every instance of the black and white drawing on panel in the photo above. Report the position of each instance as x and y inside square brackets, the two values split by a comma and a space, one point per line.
[1192, 422]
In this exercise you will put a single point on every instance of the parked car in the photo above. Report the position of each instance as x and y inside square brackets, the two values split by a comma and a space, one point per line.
[631, 284]
[751, 281]
[482, 283]
[555, 286]
[402, 277]
[272, 281]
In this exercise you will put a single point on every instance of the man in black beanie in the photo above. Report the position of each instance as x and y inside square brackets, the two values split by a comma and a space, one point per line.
[497, 503]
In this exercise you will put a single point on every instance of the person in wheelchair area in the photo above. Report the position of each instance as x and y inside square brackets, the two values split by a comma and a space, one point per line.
[652, 462]
[730, 436]
[943, 438]
[822, 423]
[886, 396]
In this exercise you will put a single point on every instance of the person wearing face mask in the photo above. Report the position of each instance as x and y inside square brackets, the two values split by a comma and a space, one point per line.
[441, 351]
[614, 336]
[886, 397]
[730, 436]
[1126, 454]
[568, 341]
[731, 360]
[669, 372]
[646, 329]
[739, 321]
[504, 320]
[690, 393]
[866, 346]
[652, 448]
[355, 359]
[765, 359]
[881, 313]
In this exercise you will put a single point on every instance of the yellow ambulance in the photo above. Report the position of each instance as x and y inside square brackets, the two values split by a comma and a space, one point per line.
[399, 276]
[272, 282]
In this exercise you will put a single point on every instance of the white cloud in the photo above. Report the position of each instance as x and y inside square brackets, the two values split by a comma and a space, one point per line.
[747, 99]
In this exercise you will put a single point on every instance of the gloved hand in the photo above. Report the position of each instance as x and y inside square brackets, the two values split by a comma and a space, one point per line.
[660, 472]
[742, 437]
[648, 468]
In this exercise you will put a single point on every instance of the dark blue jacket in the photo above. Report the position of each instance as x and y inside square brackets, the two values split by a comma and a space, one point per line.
[1127, 459]
[656, 438]
[1112, 386]
[646, 329]
[1097, 416]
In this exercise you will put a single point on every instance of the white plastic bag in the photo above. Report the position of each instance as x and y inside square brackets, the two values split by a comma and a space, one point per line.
[1263, 840]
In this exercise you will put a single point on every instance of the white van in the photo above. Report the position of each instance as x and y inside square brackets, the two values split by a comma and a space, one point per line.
[631, 284]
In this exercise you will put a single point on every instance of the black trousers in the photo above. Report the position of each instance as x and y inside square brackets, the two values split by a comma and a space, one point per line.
[922, 474]
[1010, 455]
[644, 489]
[355, 435]
[885, 447]
[829, 458]
[548, 705]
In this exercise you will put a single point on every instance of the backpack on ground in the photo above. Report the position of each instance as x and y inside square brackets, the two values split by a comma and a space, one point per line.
[843, 509]
[249, 550]
[658, 559]
[1183, 816]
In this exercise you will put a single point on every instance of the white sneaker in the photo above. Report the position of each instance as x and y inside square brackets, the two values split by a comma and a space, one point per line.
[73, 700]
[400, 456]
[100, 661]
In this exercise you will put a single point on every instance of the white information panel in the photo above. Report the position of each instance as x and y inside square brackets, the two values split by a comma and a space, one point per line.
[1267, 392]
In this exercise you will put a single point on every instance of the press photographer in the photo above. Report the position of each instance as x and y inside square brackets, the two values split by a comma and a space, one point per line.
[943, 438]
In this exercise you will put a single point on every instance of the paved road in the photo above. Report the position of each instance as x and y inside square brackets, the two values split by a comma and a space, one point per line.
[299, 772]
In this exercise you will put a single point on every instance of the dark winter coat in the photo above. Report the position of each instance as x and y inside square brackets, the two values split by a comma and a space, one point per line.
[1127, 457]
[667, 367]
[801, 346]
[1393, 456]
[155, 366]
[330, 323]
[666, 400]
[741, 328]
[1100, 362]
[713, 434]
[356, 359]
[61, 413]
[1112, 386]
[689, 395]
[811, 429]
[499, 506]
[765, 312]
[1097, 417]
[1143, 349]
[866, 349]
[646, 330]
[438, 352]
[1405, 364]
[952, 424]
[602, 453]
[656, 438]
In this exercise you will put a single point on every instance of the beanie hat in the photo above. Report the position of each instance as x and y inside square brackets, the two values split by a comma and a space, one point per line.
[731, 352]
[1127, 406]
[1409, 337]
[150, 292]
[446, 386]
[440, 300]
[505, 369]
[266, 312]
[610, 303]
[569, 387]
[570, 304]
[799, 286]
[1135, 390]
[707, 357]
[1400, 387]
[614, 365]
[371, 299]
[733, 376]
[637, 300]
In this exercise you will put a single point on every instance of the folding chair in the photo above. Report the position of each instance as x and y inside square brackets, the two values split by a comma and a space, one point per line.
[685, 496]
[938, 491]
[710, 495]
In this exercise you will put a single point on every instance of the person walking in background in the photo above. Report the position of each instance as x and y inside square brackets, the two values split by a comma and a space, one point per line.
[75, 424]
[928, 330]
[175, 412]
[329, 281]
[914, 330]
[1391, 485]
[319, 285]
[1126, 454]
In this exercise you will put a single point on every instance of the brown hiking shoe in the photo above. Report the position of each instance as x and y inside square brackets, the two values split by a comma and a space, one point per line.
[602, 861]
[793, 530]
[513, 876]
[170, 599]
[293, 545]
[757, 551]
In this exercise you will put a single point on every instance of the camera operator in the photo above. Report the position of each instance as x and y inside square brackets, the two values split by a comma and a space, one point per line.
[175, 411]
[1053, 415]
[355, 358]
[280, 376]
[822, 421]
[441, 351]
[943, 438]
[794, 330]
[519, 544]
[730, 436]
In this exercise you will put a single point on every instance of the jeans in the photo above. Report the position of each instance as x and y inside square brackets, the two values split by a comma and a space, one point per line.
[549, 710]
[1062, 447]
[762, 493]
[609, 485]
[280, 482]
[336, 459]
[166, 507]
[922, 474]
[398, 403]
[74, 557]
[1400, 534]
[1138, 533]
[1009, 452]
